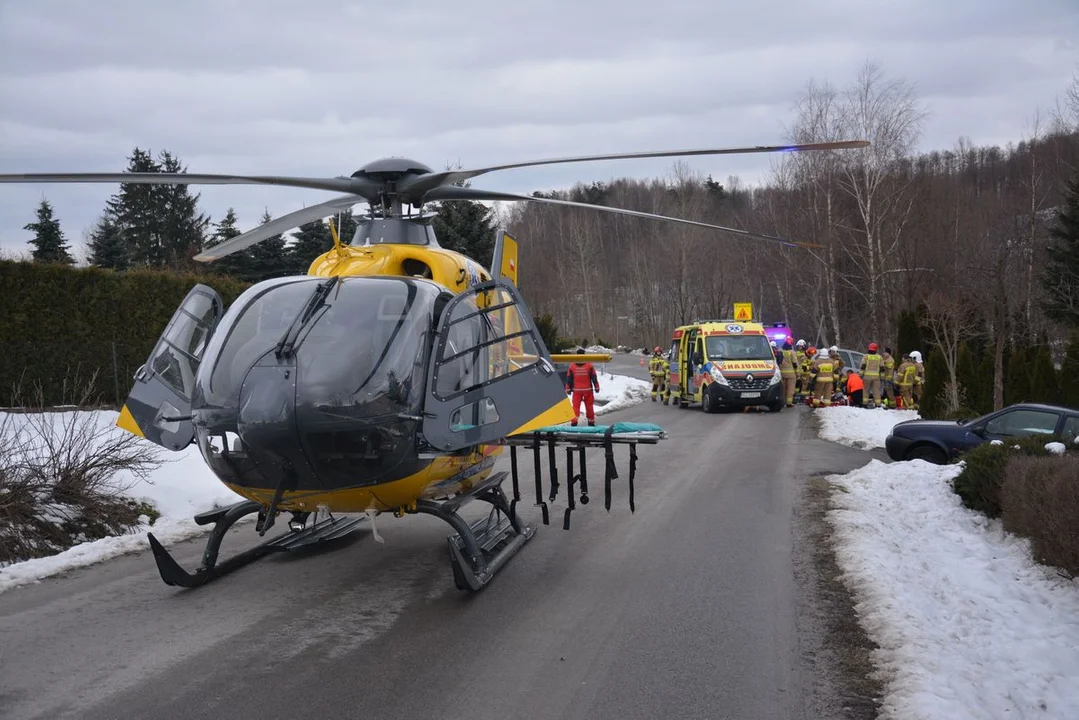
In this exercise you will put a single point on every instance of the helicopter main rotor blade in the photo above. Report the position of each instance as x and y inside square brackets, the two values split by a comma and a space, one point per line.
[358, 186]
[415, 188]
[278, 226]
[463, 193]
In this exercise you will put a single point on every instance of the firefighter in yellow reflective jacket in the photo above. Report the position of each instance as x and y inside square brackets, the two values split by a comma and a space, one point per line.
[837, 368]
[887, 377]
[824, 371]
[904, 378]
[788, 369]
[659, 370]
[871, 367]
[919, 376]
[801, 366]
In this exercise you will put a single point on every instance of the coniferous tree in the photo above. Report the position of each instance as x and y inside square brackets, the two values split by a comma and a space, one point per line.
[183, 227]
[1044, 383]
[50, 245]
[269, 258]
[966, 374]
[1017, 377]
[134, 211]
[909, 334]
[311, 240]
[238, 265]
[1069, 374]
[467, 227]
[108, 249]
[931, 402]
[1060, 277]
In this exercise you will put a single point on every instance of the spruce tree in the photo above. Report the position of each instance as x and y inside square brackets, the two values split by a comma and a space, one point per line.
[238, 264]
[967, 376]
[108, 249]
[269, 258]
[135, 212]
[183, 227]
[909, 334]
[1017, 376]
[50, 245]
[311, 240]
[931, 401]
[1044, 383]
[467, 227]
[1069, 374]
[1060, 278]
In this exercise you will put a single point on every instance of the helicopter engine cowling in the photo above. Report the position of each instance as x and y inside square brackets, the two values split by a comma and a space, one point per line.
[312, 384]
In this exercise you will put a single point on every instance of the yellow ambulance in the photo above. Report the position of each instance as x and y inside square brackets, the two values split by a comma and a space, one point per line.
[724, 363]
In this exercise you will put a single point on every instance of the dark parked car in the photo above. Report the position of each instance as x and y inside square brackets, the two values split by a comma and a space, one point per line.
[940, 441]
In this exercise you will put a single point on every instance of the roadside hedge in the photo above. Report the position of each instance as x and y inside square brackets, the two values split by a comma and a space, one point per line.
[62, 326]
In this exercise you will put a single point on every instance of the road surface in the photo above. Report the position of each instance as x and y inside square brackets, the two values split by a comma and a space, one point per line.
[685, 609]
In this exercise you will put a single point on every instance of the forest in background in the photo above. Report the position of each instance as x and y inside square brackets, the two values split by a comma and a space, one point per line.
[957, 240]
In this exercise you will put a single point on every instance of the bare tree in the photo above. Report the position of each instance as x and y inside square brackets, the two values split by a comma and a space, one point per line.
[885, 112]
[951, 320]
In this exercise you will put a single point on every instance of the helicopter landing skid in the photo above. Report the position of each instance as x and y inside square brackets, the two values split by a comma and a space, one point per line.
[479, 549]
[223, 519]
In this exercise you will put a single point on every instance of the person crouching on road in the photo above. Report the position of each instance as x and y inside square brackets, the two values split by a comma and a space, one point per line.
[855, 386]
[788, 368]
[658, 369]
[583, 383]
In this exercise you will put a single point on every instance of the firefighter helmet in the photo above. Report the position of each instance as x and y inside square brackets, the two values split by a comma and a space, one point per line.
[872, 347]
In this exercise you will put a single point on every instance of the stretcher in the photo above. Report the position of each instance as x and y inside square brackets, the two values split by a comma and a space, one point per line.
[576, 440]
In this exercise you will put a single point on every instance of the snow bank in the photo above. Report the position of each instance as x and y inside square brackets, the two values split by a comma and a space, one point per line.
[617, 392]
[968, 625]
[864, 428]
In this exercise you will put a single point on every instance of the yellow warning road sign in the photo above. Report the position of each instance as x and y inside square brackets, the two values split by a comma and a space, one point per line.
[743, 312]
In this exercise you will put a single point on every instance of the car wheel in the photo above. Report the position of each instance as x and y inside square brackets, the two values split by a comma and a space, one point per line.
[929, 453]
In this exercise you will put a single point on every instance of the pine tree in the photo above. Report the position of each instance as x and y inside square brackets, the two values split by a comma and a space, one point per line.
[50, 245]
[311, 240]
[467, 227]
[1060, 277]
[134, 211]
[108, 249]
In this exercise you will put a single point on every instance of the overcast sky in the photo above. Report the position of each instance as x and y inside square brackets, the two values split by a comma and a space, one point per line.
[321, 87]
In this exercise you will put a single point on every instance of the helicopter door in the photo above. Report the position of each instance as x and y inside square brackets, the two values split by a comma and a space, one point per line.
[159, 406]
[490, 375]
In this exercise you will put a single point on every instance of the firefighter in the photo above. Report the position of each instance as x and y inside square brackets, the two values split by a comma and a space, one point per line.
[870, 370]
[887, 377]
[657, 369]
[904, 379]
[919, 376]
[583, 383]
[855, 385]
[788, 367]
[824, 374]
[807, 374]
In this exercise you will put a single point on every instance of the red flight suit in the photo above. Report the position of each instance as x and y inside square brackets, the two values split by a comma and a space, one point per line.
[581, 380]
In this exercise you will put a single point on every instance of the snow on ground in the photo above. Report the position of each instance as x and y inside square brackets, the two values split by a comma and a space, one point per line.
[617, 392]
[184, 486]
[967, 624]
[864, 428]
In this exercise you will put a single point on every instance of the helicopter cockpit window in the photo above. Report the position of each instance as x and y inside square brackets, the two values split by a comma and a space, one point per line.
[177, 357]
[486, 338]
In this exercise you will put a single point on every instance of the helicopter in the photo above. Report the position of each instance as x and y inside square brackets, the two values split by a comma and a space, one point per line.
[387, 379]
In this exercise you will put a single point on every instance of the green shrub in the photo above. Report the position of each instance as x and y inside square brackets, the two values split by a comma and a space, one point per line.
[1040, 501]
[986, 466]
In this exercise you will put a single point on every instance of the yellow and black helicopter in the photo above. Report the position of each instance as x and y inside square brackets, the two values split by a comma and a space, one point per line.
[386, 379]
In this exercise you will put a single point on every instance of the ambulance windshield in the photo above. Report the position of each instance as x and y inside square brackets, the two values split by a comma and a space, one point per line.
[738, 347]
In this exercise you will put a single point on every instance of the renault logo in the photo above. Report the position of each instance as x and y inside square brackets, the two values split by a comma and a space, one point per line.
[749, 378]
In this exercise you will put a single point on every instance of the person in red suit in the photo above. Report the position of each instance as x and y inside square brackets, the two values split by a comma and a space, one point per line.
[583, 383]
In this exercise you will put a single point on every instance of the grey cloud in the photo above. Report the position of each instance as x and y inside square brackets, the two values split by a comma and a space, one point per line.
[324, 87]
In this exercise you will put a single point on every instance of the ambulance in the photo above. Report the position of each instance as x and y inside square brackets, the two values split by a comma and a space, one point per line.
[724, 363]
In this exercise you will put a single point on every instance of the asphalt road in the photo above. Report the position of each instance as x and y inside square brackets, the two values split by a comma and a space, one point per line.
[685, 609]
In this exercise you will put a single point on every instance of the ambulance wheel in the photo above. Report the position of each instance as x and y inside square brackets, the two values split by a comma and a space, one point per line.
[776, 406]
[709, 403]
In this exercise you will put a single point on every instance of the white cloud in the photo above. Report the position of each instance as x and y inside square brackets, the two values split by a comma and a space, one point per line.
[323, 87]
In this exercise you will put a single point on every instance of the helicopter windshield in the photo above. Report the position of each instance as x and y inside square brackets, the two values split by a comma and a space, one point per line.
[362, 346]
